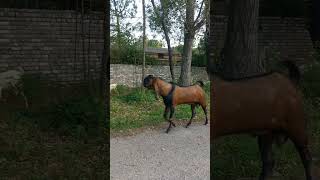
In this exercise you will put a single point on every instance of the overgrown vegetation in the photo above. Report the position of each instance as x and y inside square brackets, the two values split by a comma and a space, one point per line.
[62, 133]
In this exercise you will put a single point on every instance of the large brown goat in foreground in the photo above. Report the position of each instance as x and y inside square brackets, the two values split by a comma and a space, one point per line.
[266, 106]
[174, 95]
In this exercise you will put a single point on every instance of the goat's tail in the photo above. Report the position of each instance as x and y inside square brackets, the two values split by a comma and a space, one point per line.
[200, 83]
[294, 72]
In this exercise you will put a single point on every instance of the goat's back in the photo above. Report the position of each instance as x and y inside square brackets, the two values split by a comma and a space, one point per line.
[253, 105]
[189, 95]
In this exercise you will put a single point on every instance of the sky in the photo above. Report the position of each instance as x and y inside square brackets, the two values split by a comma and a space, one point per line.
[149, 33]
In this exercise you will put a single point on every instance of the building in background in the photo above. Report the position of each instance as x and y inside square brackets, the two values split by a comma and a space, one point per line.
[161, 55]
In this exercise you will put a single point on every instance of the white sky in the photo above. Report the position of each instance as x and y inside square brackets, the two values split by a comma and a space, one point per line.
[151, 34]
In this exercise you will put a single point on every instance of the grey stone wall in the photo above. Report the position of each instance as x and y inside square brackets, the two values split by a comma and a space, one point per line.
[130, 75]
[54, 44]
[288, 36]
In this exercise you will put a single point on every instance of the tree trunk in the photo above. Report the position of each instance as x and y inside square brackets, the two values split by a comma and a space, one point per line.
[118, 28]
[166, 34]
[209, 8]
[170, 55]
[240, 54]
[144, 42]
[185, 76]
[105, 62]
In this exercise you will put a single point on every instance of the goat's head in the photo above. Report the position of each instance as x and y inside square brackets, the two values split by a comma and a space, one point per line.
[148, 81]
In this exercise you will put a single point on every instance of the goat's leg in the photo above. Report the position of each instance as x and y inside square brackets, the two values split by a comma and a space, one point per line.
[171, 115]
[265, 147]
[301, 145]
[204, 108]
[165, 115]
[306, 160]
[193, 114]
[171, 109]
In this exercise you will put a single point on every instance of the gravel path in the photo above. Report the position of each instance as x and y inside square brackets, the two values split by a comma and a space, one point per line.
[184, 154]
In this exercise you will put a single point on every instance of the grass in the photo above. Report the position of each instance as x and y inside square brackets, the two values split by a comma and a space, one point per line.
[132, 108]
[61, 135]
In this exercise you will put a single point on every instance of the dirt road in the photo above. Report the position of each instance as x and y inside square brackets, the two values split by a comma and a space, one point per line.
[183, 154]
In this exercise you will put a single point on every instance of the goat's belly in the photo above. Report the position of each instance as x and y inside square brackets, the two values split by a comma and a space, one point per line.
[187, 99]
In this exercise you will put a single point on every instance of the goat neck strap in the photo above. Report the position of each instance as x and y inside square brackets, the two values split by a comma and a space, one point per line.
[172, 89]
[169, 97]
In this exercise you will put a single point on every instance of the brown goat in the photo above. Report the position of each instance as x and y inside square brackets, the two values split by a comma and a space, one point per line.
[174, 95]
[265, 106]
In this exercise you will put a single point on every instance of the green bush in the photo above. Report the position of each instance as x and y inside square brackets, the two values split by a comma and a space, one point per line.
[137, 96]
[199, 59]
[132, 95]
[59, 108]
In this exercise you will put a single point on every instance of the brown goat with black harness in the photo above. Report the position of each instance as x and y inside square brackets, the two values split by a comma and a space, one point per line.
[266, 106]
[174, 95]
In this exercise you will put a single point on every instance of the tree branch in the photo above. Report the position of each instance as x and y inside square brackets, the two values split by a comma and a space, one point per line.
[200, 10]
[199, 24]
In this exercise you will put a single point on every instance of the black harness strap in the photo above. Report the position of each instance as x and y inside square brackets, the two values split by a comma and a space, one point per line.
[169, 97]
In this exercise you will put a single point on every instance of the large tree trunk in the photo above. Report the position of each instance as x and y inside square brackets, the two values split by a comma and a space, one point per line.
[240, 53]
[166, 34]
[118, 28]
[105, 63]
[144, 41]
[209, 8]
[185, 76]
[170, 56]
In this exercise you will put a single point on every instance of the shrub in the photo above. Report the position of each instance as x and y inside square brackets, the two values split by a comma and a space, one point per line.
[60, 108]
[81, 117]
[137, 95]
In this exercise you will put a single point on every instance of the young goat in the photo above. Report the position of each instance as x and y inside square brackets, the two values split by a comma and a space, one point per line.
[174, 95]
[265, 106]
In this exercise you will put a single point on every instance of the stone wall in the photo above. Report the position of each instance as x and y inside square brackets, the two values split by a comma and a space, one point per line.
[288, 36]
[54, 44]
[130, 75]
